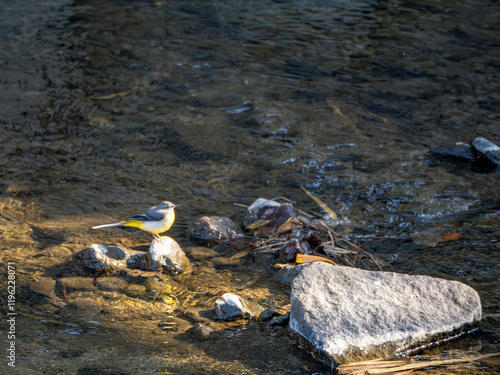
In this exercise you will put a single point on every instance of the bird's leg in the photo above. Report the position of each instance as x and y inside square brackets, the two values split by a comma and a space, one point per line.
[157, 237]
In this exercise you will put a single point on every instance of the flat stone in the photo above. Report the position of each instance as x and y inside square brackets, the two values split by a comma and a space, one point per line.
[77, 283]
[347, 314]
[44, 286]
[225, 261]
[201, 252]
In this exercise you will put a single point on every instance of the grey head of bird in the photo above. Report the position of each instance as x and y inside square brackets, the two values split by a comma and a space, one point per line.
[166, 205]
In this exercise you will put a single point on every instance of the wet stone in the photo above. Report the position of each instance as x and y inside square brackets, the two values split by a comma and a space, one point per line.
[429, 239]
[349, 314]
[135, 290]
[214, 228]
[280, 321]
[267, 315]
[77, 283]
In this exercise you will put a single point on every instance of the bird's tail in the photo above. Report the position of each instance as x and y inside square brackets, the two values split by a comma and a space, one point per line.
[117, 224]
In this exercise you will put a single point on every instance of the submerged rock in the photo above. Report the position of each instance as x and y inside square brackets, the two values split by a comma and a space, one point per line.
[460, 152]
[427, 238]
[348, 314]
[103, 259]
[214, 228]
[164, 255]
[280, 321]
[483, 155]
[267, 315]
[230, 306]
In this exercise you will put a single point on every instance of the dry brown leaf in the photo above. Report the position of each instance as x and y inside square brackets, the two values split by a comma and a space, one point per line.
[320, 203]
[451, 237]
[305, 258]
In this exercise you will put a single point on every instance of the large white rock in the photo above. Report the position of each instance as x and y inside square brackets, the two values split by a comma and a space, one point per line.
[349, 314]
[164, 255]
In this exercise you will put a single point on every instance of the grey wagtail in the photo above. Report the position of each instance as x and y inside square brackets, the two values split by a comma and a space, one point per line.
[155, 220]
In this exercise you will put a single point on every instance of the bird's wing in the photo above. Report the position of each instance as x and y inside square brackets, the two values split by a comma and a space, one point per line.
[145, 217]
[154, 214]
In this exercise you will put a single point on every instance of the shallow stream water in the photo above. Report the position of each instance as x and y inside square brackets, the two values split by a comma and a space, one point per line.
[109, 107]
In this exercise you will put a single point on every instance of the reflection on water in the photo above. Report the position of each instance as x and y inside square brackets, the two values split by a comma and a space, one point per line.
[109, 107]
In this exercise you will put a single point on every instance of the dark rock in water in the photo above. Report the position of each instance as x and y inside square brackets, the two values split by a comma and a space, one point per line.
[103, 259]
[280, 321]
[483, 155]
[214, 228]
[427, 238]
[164, 255]
[460, 152]
[267, 315]
[231, 307]
[488, 150]
[347, 314]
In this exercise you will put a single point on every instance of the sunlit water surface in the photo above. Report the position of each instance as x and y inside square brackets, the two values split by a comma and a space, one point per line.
[108, 107]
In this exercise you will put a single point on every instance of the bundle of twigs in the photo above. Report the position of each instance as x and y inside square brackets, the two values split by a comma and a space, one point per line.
[336, 249]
